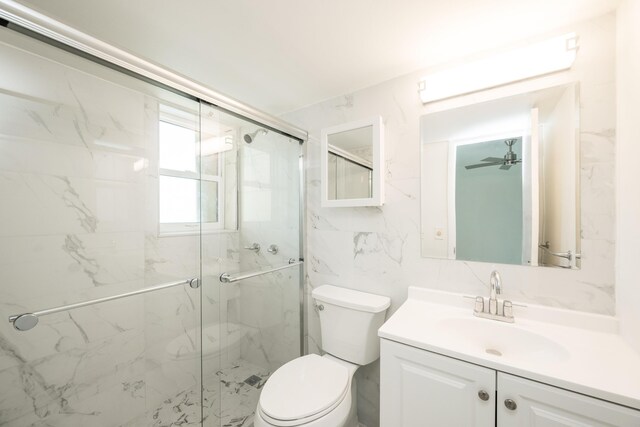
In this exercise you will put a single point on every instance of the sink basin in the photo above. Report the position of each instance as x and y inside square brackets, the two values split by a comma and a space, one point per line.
[502, 340]
[569, 349]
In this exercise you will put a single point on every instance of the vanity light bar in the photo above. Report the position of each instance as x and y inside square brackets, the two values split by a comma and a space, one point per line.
[537, 59]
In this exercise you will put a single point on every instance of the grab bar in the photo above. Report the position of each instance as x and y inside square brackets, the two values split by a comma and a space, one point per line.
[228, 278]
[26, 321]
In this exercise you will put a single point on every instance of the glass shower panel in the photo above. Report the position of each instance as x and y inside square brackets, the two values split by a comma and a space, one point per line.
[266, 306]
[270, 216]
[81, 219]
[219, 213]
[250, 326]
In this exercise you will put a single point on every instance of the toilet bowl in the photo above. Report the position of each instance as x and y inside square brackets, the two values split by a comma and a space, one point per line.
[320, 391]
[313, 391]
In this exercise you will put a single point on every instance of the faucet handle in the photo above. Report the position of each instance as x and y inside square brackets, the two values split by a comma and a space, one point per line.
[255, 247]
[479, 306]
[507, 309]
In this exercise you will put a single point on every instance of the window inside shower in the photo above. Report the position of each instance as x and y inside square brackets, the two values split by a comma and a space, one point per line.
[189, 168]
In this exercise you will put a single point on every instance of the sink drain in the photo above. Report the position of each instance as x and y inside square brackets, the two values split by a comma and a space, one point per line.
[494, 352]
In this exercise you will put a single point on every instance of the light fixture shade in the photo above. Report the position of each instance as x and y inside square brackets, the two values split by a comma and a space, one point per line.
[537, 59]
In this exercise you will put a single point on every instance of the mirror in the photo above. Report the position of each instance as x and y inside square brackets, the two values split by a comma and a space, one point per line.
[500, 180]
[351, 164]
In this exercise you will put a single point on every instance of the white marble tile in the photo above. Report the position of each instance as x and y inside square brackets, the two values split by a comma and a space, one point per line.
[234, 403]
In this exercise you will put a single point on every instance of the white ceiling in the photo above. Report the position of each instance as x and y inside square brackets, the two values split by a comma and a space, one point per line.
[280, 55]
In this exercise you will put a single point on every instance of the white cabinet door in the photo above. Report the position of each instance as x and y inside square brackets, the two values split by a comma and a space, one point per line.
[525, 403]
[419, 389]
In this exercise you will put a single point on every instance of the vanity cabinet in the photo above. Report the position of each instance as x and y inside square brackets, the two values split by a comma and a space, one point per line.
[524, 403]
[421, 388]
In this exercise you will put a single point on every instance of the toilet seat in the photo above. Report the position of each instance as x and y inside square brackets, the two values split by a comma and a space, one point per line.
[304, 390]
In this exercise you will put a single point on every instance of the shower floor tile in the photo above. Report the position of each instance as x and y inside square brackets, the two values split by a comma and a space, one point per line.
[230, 398]
[181, 410]
[234, 404]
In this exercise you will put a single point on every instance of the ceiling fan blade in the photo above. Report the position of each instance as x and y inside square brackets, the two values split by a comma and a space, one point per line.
[482, 165]
[505, 167]
[492, 159]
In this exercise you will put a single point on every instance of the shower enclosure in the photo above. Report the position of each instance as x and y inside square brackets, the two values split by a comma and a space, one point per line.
[151, 248]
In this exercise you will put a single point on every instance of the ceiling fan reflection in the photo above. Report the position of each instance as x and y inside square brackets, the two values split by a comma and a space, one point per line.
[505, 163]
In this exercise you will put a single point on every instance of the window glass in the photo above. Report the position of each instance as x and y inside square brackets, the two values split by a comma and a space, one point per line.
[178, 148]
[178, 200]
[191, 169]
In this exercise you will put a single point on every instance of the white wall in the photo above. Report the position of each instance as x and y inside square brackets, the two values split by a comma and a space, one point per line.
[434, 197]
[628, 74]
[378, 249]
[558, 179]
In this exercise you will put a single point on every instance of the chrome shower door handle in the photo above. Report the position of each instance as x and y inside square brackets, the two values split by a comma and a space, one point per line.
[255, 247]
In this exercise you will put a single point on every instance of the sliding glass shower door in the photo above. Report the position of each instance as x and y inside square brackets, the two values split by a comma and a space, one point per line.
[82, 219]
[251, 315]
[149, 245]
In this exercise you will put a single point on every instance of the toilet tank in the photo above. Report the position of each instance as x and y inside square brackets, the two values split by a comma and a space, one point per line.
[349, 322]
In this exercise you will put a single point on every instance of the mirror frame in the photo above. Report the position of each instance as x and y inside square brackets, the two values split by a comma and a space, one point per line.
[377, 175]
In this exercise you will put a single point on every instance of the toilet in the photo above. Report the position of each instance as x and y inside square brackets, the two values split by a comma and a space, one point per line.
[320, 391]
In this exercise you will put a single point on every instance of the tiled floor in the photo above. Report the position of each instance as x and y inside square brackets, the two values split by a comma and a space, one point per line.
[236, 404]
[230, 399]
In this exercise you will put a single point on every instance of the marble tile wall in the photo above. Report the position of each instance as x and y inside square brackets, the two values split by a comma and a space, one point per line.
[378, 249]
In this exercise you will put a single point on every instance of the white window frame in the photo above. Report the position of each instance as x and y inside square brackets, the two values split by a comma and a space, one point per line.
[189, 228]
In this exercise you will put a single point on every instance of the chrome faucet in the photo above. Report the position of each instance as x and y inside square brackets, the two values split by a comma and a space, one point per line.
[495, 286]
[494, 308]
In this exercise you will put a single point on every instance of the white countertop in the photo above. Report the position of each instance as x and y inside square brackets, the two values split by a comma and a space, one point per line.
[593, 358]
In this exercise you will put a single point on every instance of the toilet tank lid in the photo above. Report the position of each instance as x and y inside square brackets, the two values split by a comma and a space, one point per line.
[348, 298]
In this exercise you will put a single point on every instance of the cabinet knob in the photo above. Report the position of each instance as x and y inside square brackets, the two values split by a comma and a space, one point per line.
[483, 395]
[510, 404]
